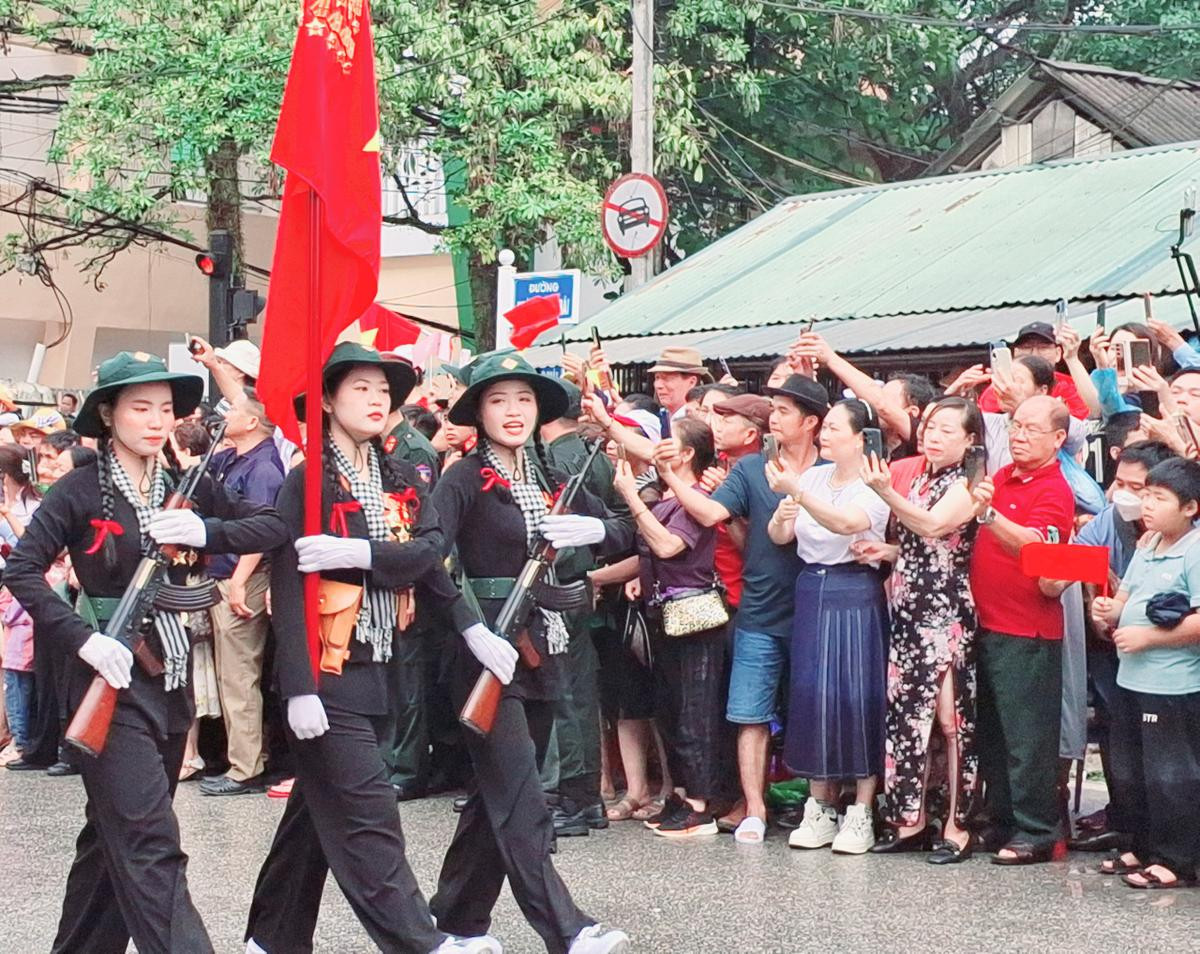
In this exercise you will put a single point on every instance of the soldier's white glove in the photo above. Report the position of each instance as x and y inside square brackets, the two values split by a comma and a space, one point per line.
[109, 658]
[307, 717]
[493, 652]
[182, 527]
[325, 552]
[570, 530]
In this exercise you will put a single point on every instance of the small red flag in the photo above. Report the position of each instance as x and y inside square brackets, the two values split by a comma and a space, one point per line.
[530, 318]
[391, 330]
[327, 140]
[1066, 561]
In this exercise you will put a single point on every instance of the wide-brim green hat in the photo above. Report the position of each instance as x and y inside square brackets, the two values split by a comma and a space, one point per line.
[486, 370]
[401, 376]
[135, 367]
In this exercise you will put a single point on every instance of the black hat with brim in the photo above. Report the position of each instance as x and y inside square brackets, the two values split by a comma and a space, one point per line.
[135, 367]
[805, 392]
[401, 376]
[486, 370]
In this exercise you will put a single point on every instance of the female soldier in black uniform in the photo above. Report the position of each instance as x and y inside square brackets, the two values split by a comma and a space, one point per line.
[128, 877]
[493, 504]
[341, 816]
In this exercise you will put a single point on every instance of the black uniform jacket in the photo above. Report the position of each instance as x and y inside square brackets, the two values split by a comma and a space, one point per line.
[64, 520]
[489, 531]
[362, 685]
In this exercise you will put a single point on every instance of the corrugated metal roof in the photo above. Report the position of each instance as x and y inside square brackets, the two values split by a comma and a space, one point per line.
[1137, 109]
[949, 247]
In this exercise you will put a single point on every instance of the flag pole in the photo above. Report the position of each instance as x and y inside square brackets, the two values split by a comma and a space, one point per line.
[313, 434]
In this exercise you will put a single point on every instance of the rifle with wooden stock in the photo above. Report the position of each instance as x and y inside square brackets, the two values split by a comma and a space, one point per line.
[530, 591]
[88, 730]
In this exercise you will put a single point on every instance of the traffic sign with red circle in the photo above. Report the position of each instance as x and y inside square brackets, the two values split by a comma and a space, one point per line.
[634, 215]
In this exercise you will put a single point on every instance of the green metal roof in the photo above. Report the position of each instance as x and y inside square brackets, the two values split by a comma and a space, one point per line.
[1002, 241]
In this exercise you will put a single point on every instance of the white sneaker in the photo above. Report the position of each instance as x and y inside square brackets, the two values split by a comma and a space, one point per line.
[819, 827]
[857, 834]
[484, 944]
[253, 948]
[596, 940]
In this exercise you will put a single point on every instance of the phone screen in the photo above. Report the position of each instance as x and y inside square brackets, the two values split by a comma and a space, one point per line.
[873, 442]
[1187, 430]
[974, 464]
[1140, 353]
[770, 448]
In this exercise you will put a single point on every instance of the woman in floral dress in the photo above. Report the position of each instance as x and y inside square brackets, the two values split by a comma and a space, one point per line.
[931, 669]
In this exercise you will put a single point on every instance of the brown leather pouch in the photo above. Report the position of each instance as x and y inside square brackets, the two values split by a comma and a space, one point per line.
[338, 605]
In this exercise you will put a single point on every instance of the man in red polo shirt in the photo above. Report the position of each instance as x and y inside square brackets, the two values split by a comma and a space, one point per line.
[1019, 648]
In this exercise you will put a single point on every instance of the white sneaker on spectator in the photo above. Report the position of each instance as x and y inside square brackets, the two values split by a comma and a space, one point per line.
[818, 828]
[596, 940]
[484, 944]
[857, 834]
[253, 948]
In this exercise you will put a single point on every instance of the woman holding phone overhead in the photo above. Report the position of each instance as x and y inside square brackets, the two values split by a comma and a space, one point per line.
[839, 634]
[931, 670]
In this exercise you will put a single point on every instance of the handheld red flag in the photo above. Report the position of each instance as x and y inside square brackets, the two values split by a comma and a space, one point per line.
[391, 330]
[325, 272]
[1066, 561]
[530, 318]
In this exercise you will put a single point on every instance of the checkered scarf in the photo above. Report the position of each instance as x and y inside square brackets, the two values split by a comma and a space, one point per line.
[527, 492]
[172, 632]
[380, 607]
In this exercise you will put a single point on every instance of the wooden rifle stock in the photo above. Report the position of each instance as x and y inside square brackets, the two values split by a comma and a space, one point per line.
[479, 711]
[88, 729]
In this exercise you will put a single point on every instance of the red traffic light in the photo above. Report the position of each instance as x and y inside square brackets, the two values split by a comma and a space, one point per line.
[205, 263]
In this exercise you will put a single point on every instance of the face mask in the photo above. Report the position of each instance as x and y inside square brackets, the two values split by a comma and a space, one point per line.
[1128, 504]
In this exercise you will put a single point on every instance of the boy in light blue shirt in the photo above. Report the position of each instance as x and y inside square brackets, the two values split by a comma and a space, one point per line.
[1156, 739]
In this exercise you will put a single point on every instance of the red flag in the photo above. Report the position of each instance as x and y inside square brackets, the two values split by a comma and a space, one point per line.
[391, 330]
[1066, 561]
[328, 142]
[530, 318]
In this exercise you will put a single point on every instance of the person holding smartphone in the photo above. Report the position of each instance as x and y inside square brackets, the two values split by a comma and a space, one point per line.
[931, 659]
[835, 729]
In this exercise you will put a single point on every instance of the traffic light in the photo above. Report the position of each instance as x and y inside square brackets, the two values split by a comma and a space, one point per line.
[246, 307]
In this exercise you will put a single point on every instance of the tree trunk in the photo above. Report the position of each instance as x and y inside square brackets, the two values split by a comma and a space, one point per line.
[483, 296]
[224, 209]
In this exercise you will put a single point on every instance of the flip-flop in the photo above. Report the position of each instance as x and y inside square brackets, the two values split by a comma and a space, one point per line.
[1153, 882]
[649, 810]
[1113, 865]
[751, 831]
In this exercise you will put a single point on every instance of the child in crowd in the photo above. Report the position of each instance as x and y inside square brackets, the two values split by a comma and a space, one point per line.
[1155, 734]
[18, 674]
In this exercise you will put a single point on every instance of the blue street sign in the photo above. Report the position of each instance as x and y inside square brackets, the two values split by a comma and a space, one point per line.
[564, 284]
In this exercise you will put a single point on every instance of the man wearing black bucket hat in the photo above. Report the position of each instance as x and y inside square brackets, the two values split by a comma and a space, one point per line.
[128, 878]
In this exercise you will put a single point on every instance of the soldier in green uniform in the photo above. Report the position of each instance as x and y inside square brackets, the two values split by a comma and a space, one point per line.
[577, 717]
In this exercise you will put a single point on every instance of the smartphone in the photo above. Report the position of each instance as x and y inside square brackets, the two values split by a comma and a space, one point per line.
[1060, 314]
[770, 447]
[872, 442]
[1148, 307]
[974, 465]
[192, 342]
[621, 452]
[1101, 310]
[1002, 358]
[809, 327]
[664, 420]
[725, 367]
[1187, 430]
[1137, 353]
[595, 336]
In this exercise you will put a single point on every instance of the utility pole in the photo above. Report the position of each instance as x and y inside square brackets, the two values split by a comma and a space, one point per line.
[641, 143]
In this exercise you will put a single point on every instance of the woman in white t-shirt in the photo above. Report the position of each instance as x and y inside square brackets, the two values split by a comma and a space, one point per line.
[838, 700]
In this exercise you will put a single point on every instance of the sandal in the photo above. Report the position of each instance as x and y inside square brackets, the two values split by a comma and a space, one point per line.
[648, 810]
[193, 768]
[751, 831]
[1115, 864]
[623, 810]
[1029, 853]
[1149, 881]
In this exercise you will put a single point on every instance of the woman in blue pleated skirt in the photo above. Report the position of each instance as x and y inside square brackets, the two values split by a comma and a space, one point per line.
[838, 700]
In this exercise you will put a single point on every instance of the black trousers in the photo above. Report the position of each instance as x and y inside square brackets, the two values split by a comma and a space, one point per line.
[1154, 744]
[577, 719]
[688, 675]
[505, 831]
[341, 817]
[49, 695]
[129, 875]
[1019, 714]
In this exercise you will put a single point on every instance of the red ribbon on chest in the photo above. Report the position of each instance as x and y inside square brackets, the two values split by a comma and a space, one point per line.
[337, 518]
[103, 529]
[491, 478]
